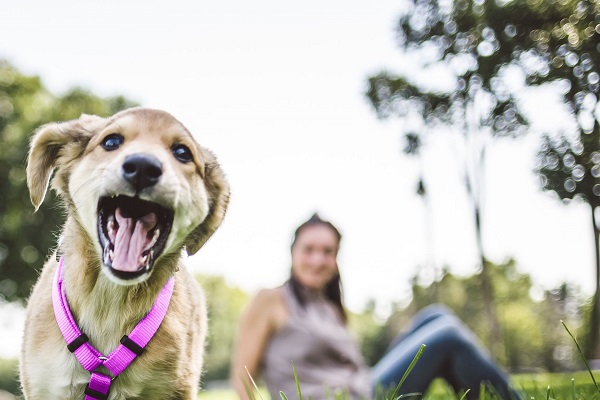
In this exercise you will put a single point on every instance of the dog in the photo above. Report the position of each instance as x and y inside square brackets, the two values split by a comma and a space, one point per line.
[137, 190]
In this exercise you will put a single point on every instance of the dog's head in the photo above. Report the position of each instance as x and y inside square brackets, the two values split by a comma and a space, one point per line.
[137, 183]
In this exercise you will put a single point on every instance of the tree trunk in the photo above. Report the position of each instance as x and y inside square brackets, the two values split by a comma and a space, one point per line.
[487, 286]
[593, 346]
[487, 289]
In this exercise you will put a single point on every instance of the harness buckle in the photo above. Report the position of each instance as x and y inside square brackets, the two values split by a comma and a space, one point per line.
[101, 386]
[77, 342]
[95, 394]
[132, 346]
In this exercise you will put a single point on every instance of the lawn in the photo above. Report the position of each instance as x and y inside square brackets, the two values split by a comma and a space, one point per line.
[568, 386]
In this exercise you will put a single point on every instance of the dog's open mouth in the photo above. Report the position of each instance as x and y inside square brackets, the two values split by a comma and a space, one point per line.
[133, 234]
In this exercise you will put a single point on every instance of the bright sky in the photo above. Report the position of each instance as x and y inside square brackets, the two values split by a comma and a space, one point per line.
[275, 89]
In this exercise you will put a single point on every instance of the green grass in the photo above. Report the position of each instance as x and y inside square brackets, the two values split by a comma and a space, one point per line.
[581, 385]
[534, 386]
[560, 385]
[568, 386]
[219, 394]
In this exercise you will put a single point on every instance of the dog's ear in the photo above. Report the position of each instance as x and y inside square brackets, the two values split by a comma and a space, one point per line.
[218, 199]
[45, 150]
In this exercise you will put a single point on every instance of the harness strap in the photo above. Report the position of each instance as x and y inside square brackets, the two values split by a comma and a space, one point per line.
[118, 360]
[98, 388]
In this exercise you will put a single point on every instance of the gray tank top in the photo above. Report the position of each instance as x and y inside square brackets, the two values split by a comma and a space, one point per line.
[326, 356]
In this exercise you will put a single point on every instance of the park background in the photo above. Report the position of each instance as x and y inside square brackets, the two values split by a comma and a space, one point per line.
[279, 92]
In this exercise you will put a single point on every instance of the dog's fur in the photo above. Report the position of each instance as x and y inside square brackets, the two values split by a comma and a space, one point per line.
[104, 306]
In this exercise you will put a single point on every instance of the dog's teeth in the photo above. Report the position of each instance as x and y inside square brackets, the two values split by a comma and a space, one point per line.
[143, 259]
[154, 239]
[111, 229]
[155, 236]
[111, 254]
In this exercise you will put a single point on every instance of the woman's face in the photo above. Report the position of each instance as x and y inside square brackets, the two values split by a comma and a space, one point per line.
[314, 255]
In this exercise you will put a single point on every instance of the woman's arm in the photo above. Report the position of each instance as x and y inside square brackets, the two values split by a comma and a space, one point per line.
[265, 314]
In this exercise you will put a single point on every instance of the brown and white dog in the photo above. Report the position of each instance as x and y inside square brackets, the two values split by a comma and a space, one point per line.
[137, 189]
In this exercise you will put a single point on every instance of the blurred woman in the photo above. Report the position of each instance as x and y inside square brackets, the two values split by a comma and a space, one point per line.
[304, 322]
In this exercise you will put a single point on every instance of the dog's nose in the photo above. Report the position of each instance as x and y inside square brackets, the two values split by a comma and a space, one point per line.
[142, 170]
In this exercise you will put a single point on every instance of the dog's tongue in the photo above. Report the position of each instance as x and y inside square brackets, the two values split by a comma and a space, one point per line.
[131, 240]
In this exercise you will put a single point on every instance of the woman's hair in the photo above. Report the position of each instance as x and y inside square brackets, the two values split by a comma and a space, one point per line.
[333, 288]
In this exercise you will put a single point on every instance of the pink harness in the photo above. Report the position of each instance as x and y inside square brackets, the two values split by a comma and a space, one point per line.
[116, 362]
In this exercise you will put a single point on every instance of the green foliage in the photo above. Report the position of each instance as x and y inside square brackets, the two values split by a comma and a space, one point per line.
[366, 327]
[225, 305]
[9, 371]
[476, 42]
[471, 41]
[566, 51]
[466, 41]
[26, 237]
[533, 337]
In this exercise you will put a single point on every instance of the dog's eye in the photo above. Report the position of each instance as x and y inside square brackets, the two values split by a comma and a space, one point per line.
[182, 153]
[112, 141]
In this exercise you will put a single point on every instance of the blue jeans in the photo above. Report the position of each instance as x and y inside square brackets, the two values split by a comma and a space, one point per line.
[452, 353]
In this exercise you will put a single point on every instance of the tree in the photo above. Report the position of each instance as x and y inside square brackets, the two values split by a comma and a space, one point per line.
[225, 304]
[547, 41]
[459, 41]
[566, 51]
[26, 237]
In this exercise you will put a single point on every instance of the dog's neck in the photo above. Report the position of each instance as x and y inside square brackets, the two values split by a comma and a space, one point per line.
[103, 309]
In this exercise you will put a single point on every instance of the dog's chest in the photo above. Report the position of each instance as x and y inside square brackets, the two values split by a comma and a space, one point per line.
[61, 377]
[138, 380]
[58, 374]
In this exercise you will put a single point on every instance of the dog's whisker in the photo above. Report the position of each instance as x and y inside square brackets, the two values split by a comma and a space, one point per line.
[92, 178]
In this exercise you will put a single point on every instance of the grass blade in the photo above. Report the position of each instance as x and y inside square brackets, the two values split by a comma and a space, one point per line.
[297, 383]
[408, 395]
[410, 368]
[582, 356]
[248, 390]
[254, 384]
